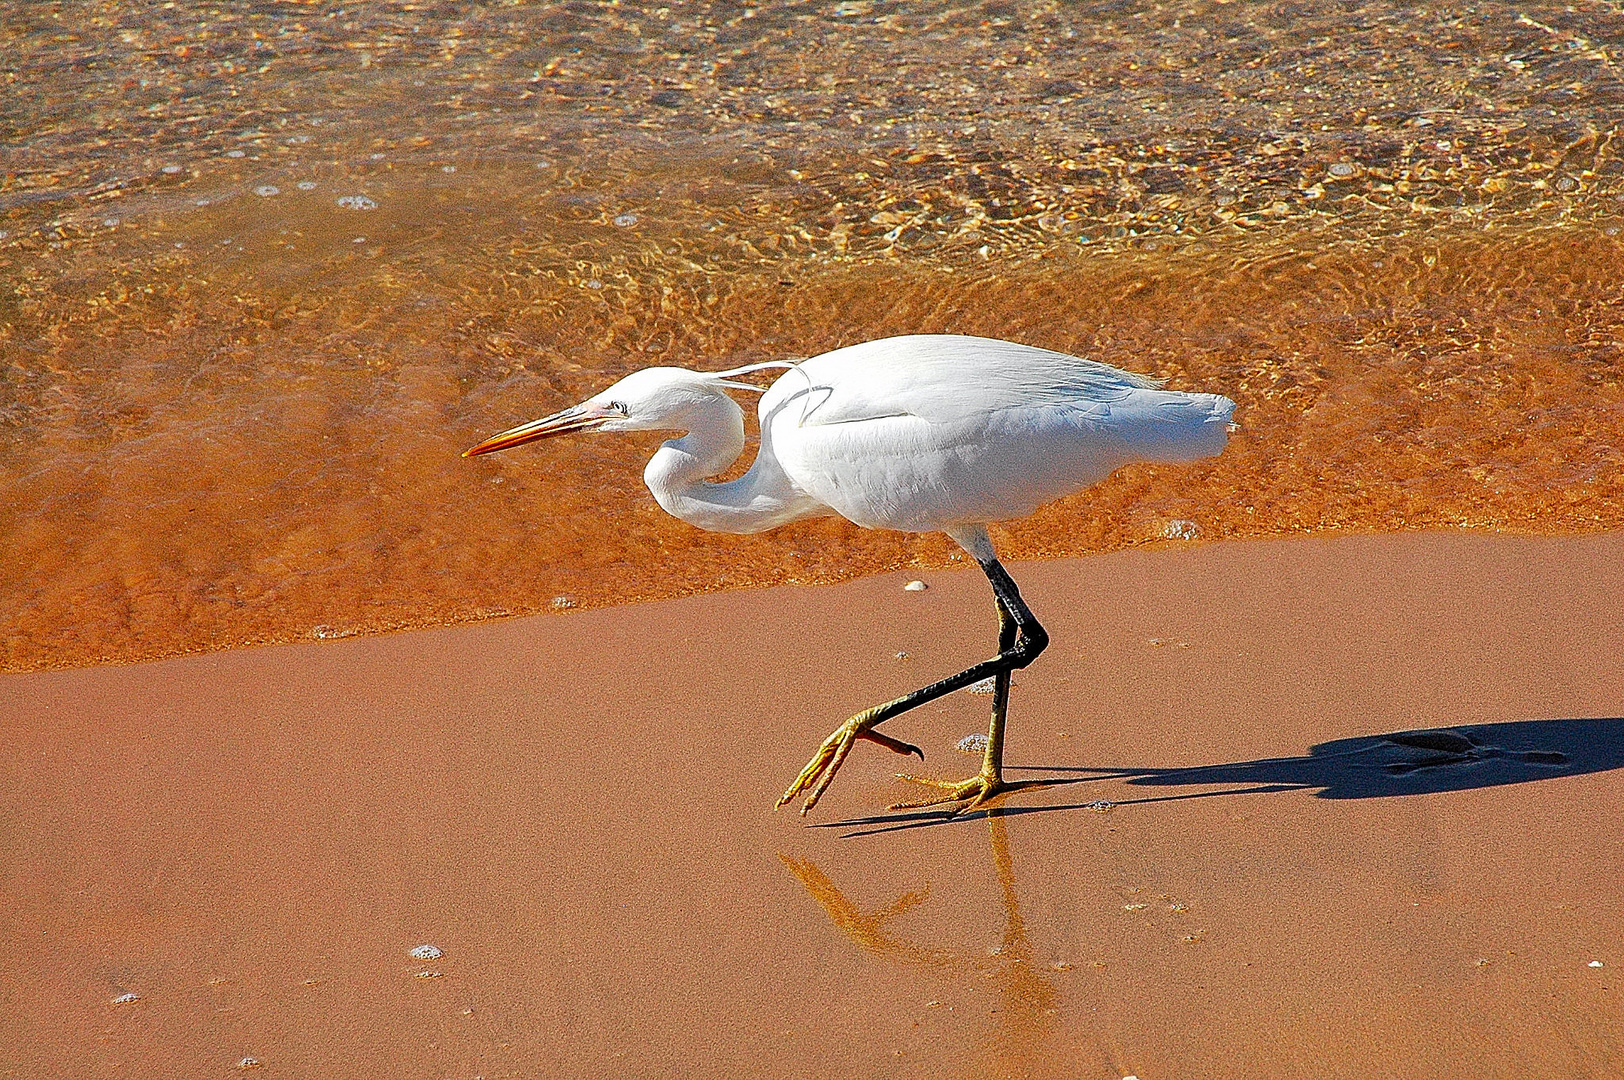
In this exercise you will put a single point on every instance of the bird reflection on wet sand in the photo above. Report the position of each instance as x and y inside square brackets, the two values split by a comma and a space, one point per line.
[1026, 1015]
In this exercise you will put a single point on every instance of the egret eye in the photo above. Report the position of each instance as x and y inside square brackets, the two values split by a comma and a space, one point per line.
[620, 407]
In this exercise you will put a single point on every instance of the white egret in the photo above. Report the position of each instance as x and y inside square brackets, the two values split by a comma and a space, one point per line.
[917, 433]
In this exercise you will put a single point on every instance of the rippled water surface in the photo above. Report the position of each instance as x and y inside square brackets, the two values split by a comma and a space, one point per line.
[266, 269]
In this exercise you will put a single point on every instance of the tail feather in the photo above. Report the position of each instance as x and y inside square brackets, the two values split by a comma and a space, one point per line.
[1167, 425]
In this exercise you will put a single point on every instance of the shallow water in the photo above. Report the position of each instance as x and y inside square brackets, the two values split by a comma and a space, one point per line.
[266, 274]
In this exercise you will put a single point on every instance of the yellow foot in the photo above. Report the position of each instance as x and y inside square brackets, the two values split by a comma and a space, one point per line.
[832, 754]
[972, 792]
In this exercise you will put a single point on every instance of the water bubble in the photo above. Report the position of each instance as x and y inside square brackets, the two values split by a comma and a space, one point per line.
[448, 168]
[375, 157]
[111, 223]
[1181, 529]
[356, 202]
[298, 139]
[1566, 183]
[235, 154]
[202, 202]
[1341, 168]
[915, 586]
[625, 220]
[594, 284]
[265, 191]
[426, 952]
[972, 744]
[171, 170]
[359, 240]
[544, 164]
[306, 185]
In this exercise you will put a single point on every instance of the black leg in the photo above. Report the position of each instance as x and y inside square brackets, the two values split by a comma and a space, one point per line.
[1020, 639]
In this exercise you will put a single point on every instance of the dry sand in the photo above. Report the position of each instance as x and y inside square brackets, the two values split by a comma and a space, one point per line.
[578, 812]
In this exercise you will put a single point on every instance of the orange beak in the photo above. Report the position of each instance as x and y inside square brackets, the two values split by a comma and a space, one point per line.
[574, 418]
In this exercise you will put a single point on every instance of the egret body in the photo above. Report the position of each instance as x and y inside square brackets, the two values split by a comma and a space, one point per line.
[920, 433]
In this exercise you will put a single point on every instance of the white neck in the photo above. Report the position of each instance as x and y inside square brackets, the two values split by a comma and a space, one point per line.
[761, 499]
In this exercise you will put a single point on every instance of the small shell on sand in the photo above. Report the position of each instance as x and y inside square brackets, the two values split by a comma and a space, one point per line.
[915, 586]
[126, 997]
[1596, 963]
[426, 952]
[249, 1063]
[428, 975]
[972, 744]
[985, 686]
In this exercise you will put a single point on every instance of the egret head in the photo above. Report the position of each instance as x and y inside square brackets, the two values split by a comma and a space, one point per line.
[654, 399]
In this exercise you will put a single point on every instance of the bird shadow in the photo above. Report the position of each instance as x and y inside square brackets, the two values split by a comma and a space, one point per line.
[1423, 761]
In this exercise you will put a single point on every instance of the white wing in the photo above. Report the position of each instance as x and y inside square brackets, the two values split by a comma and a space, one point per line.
[923, 432]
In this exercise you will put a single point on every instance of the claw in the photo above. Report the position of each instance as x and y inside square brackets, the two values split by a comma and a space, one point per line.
[892, 744]
[820, 771]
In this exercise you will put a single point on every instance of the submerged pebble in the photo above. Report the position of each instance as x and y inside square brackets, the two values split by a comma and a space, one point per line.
[265, 191]
[171, 170]
[356, 202]
[426, 952]
[1181, 529]
[561, 603]
[306, 185]
[625, 220]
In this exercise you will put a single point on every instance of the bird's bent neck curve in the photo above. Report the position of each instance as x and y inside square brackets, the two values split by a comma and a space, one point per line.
[677, 475]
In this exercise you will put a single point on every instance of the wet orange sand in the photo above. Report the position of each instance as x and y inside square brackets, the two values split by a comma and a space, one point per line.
[576, 810]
